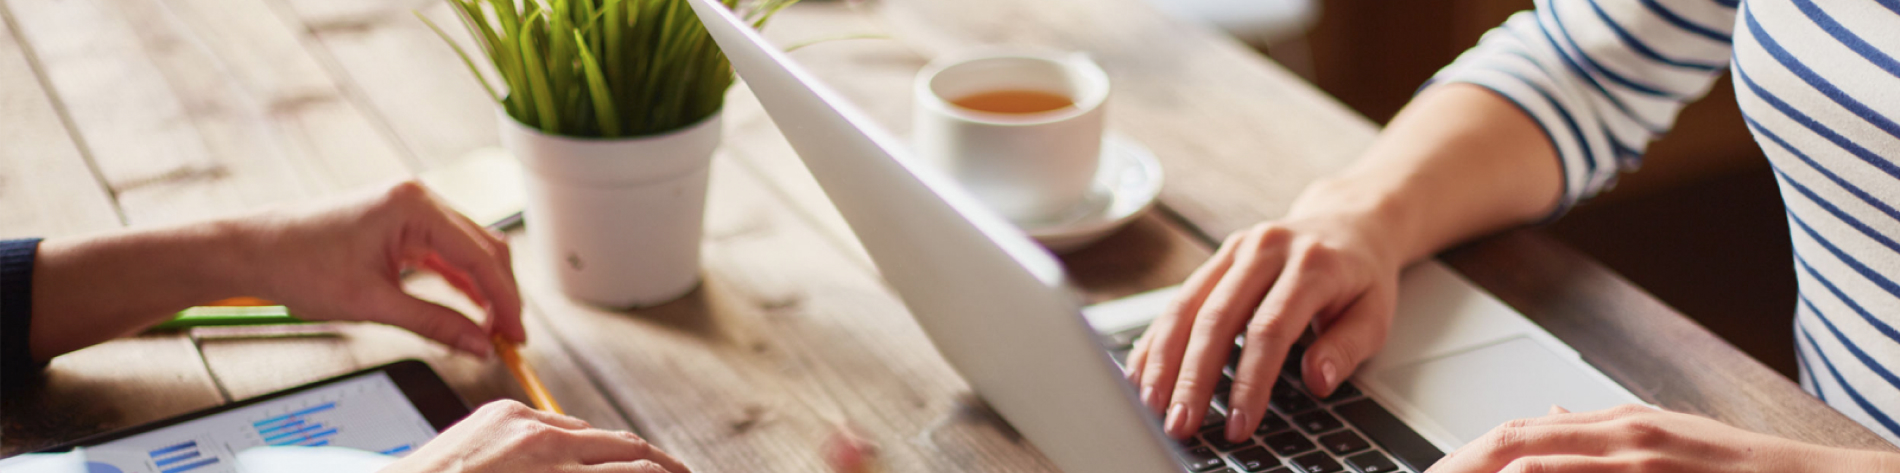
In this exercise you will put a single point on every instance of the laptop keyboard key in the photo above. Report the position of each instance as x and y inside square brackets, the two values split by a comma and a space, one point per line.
[1273, 423]
[1372, 462]
[1317, 462]
[1344, 392]
[1213, 419]
[1218, 440]
[1386, 430]
[1255, 459]
[1288, 443]
[1289, 399]
[1317, 422]
[1294, 357]
[1343, 442]
[1201, 459]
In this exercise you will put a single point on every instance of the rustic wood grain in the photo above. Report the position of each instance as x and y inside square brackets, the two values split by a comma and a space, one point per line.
[46, 187]
[108, 386]
[393, 64]
[181, 129]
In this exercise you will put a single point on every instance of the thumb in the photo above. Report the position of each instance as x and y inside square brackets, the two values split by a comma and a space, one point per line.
[432, 321]
[1355, 335]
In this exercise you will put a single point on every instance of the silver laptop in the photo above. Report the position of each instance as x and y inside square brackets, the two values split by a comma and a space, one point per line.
[997, 307]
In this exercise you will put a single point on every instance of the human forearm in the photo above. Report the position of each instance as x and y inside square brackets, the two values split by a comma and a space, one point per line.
[339, 260]
[1460, 161]
[93, 288]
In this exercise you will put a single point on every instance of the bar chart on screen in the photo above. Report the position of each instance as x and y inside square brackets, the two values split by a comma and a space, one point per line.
[368, 414]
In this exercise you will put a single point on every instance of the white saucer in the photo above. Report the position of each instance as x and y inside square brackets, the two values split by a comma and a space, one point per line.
[1126, 184]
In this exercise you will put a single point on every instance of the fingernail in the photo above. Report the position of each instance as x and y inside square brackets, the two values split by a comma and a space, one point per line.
[1177, 420]
[1149, 399]
[1236, 425]
[476, 344]
[1329, 373]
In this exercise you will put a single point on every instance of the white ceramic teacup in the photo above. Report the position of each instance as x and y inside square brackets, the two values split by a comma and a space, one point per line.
[1029, 167]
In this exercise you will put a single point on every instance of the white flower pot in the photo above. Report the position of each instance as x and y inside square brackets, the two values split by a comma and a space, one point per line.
[619, 219]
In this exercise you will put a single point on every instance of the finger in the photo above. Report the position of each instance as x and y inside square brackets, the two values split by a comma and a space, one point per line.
[1515, 441]
[430, 320]
[642, 466]
[1257, 264]
[1348, 341]
[1564, 464]
[469, 252]
[455, 278]
[496, 244]
[1545, 464]
[1168, 336]
[1556, 409]
[1137, 356]
[1278, 322]
[595, 447]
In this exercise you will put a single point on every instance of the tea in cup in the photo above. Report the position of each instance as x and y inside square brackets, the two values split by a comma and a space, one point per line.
[1022, 131]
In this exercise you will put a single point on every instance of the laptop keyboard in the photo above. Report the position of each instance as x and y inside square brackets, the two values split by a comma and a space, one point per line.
[1343, 433]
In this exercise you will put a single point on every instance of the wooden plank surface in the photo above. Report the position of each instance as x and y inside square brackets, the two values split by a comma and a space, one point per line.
[47, 189]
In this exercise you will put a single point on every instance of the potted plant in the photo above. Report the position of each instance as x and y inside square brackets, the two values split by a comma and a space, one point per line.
[613, 109]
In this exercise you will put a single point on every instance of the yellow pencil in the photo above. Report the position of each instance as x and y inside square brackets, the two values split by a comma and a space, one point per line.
[537, 392]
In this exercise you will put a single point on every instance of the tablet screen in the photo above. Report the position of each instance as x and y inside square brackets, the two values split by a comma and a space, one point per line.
[367, 412]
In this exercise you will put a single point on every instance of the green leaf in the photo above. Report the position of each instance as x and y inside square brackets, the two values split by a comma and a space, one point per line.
[549, 117]
[597, 88]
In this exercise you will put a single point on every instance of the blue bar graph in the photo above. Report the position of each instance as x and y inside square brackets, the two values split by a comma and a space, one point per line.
[292, 433]
[399, 449]
[180, 457]
[286, 425]
[190, 466]
[296, 428]
[306, 411]
[162, 462]
[174, 448]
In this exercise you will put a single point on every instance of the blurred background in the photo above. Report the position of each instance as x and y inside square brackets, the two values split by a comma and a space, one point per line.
[1701, 226]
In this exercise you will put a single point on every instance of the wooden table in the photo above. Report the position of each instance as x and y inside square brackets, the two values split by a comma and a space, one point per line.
[136, 112]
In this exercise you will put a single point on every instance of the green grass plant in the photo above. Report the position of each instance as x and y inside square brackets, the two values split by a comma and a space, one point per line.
[601, 68]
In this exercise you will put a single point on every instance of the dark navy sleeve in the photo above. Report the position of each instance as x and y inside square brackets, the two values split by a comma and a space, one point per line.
[16, 311]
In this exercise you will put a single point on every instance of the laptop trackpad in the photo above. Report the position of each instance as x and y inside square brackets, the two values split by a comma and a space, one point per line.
[1470, 392]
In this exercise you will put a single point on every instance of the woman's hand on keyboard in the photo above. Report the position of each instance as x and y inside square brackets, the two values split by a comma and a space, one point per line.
[1328, 269]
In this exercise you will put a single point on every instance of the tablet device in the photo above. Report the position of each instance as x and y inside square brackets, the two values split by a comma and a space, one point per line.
[391, 409]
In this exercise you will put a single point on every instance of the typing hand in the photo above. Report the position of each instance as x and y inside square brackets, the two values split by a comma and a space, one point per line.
[506, 436]
[1330, 272]
[1639, 439]
[343, 261]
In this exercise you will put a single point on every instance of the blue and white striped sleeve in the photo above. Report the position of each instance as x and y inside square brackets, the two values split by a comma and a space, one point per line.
[1602, 77]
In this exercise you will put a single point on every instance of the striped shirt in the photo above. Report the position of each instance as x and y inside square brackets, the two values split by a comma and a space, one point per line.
[1818, 86]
